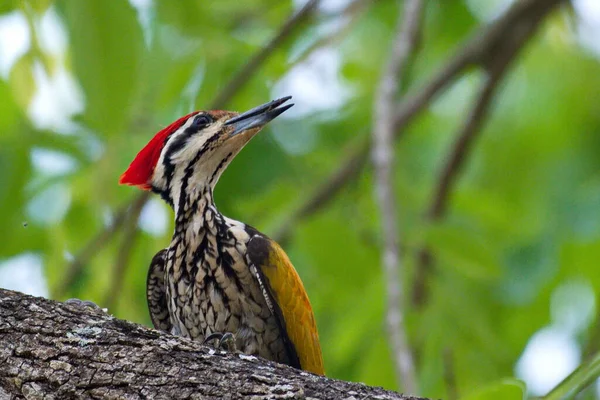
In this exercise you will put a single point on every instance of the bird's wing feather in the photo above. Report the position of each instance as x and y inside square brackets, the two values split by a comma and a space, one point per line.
[156, 293]
[294, 309]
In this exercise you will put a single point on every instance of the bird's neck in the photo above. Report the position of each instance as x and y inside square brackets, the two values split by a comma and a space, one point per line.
[196, 213]
[200, 232]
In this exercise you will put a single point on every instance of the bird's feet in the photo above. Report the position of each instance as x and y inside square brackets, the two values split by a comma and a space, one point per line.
[225, 341]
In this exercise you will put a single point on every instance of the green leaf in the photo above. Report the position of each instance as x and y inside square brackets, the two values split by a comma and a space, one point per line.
[40, 6]
[106, 45]
[21, 80]
[9, 109]
[463, 250]
[8, 6]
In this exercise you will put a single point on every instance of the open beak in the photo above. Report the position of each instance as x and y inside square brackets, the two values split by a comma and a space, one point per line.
[258, 116]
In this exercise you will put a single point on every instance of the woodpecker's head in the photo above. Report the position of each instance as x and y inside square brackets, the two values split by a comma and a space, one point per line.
[190, 154]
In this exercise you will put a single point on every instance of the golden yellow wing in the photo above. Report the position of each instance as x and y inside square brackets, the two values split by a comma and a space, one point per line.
[289, 294]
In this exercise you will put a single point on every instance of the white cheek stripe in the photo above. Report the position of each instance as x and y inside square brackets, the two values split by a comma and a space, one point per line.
[185, 154]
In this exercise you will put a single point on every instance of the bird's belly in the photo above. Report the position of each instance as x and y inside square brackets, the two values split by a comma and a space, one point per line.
[226, 299]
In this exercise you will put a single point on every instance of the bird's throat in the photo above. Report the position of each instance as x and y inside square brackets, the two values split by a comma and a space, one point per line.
[199, 229]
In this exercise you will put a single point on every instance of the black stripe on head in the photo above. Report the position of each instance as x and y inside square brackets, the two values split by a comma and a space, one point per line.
[178, 143]
[200, 121]
[189, 169]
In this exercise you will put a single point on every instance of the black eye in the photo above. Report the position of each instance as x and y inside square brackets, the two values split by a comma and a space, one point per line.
[201, 121]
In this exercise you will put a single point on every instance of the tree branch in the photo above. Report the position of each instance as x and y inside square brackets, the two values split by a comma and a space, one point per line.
[495, 65]
[57, 350]
[448, 176]
[244, 75]
[475, 51]
[325, 191]
[408, 32]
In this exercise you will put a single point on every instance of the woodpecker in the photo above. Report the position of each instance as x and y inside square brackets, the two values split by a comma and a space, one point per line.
[219, 276]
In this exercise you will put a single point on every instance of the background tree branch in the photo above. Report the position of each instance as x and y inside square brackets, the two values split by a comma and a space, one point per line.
[495, 61]
[478, 50]
[56, 350]
[247, 71]
[403, 46]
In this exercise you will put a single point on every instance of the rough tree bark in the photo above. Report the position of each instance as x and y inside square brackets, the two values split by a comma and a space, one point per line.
[52, 350]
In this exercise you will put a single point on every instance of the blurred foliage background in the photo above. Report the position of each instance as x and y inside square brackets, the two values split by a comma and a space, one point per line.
[514, 291]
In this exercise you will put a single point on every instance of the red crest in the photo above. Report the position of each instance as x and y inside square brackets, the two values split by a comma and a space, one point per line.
[142, 167]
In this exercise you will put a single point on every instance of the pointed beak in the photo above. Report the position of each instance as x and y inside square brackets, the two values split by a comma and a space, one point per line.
[258, 116]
